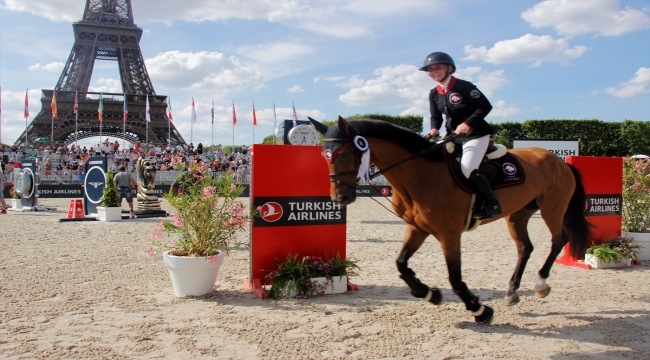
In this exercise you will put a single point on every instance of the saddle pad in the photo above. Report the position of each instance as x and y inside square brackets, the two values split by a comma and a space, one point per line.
[502, 172]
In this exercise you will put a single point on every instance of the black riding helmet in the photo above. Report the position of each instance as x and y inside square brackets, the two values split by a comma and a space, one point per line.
[438, 58]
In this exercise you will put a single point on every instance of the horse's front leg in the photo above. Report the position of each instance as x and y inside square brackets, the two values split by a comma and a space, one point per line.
[451, 250]
[413, 239]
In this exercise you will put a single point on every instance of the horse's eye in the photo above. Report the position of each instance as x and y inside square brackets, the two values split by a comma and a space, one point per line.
[345, 154]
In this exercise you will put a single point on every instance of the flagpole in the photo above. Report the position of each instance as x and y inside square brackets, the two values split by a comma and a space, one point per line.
[147, 117]
[254, 122]
[274, 122]
[124, 125]
[26, 113]
[233, 126]
[101, 121]
[76, 121]
[212, 130]
[169, 125]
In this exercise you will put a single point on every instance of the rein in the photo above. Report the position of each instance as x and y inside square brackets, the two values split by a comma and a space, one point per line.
[437, 145]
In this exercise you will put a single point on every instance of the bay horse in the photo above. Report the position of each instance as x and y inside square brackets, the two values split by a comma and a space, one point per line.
[427, 199]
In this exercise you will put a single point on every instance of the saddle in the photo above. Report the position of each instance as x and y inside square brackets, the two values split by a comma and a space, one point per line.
[500, 167]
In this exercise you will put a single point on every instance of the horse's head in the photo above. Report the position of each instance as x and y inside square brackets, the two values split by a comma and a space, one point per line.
[343, 150]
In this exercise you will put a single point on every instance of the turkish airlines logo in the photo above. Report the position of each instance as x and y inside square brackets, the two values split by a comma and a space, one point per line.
[385, 191]
[271, 211]
[455, 98]
[509, 169]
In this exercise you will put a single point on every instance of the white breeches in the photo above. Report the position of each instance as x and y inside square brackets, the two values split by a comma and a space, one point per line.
[473, 153]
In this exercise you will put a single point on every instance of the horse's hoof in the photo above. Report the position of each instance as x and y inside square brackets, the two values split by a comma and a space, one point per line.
[486, 316]
[543, 293]
[510, 300]
[434, 296]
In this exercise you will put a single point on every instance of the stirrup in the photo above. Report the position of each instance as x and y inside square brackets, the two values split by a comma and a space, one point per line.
[489, 211]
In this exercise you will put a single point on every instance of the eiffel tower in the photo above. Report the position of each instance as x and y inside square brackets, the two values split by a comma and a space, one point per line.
[106, 32]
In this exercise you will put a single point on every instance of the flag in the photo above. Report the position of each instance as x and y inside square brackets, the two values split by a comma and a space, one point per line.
[275, 118]
[193, 111]
[234, 115]
[55, 113]
[147, 113]
[126, 109]
[169, 109]
[100, 111]
[213, 111]
[295, 116]
[75, 109]
[254, 117]
[26, 104]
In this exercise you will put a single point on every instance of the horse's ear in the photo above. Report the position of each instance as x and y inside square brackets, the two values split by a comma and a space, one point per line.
[319, 126]
[343, 126]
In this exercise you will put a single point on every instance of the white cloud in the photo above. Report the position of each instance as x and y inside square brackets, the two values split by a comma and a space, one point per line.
[403, 85]
[258, 88]
[343, 19]
[63, 10]
[202, 71]
[106, 86]
[275, 52]
[537, 108]
[53, 66]
[591, 94]
[502, 109]
[639, 84]
[295, 89]
[528, 48]
[575, 17]
[13, 107]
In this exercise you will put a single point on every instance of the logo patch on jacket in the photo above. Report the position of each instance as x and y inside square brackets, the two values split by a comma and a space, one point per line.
[455, 98]
[475, 94]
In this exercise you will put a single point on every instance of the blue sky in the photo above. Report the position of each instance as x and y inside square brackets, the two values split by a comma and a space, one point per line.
[567, 59]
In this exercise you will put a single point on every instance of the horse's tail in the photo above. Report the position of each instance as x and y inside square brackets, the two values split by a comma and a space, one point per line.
[575, 225]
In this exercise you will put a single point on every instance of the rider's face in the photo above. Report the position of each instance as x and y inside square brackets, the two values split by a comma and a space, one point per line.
[438, 72]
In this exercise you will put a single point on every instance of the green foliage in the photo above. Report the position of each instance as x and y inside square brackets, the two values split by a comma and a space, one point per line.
[15, 194]
[207, 217]
[636, 195]
[597, 138]
[614, 250]
[413, 122]
[110, 197]
[635, 136]
[268, 140]
[296, 274]
[505, 132]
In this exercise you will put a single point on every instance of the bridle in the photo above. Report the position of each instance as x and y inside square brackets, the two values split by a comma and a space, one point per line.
[357, 160]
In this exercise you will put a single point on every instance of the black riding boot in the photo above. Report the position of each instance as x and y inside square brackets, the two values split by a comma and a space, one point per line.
[492, 206]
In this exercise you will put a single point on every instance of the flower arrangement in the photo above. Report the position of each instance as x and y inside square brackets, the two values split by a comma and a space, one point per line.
[636, 195]
[109, 194]
[207, 217]
[296, 274]
[15, 194]
[616, 250]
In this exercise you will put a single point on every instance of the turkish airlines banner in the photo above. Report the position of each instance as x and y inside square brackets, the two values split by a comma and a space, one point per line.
[298, 211]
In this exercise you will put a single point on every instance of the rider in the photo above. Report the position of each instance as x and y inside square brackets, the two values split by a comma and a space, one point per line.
[465, 108]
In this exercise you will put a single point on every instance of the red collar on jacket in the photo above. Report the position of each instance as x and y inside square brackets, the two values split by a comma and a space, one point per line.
[452, 81]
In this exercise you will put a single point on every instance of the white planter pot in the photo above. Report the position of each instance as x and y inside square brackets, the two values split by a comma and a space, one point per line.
[641, 239]
[338, 285]
[192, 275]
[109, 213]
[16, 204]
[596, 263]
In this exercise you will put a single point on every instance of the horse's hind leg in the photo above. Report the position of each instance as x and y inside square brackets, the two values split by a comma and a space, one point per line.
[553, 215]
[413, 239]
[517, 226]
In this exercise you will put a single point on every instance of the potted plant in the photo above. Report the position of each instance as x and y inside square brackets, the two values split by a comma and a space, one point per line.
[636, 204]
[110, 209]
[203, 229]
[16, 204]
[307, 276]
[619, 251]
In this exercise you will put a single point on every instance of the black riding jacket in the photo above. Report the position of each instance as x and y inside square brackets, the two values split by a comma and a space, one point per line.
[461, 103]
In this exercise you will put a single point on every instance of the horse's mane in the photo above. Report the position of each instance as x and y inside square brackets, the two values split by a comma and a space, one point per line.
[400, 136]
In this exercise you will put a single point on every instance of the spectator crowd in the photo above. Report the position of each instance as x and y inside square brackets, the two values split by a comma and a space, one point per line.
[68, 161]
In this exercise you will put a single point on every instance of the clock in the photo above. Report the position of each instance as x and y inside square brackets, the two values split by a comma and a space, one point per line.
[303, 135]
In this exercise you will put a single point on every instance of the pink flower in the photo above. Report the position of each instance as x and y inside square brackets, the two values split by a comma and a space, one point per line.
[208, 192]
[212, 259]
[156, 234]
[178, 221]
[150, 253]
[232, 187]
[174, 244]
